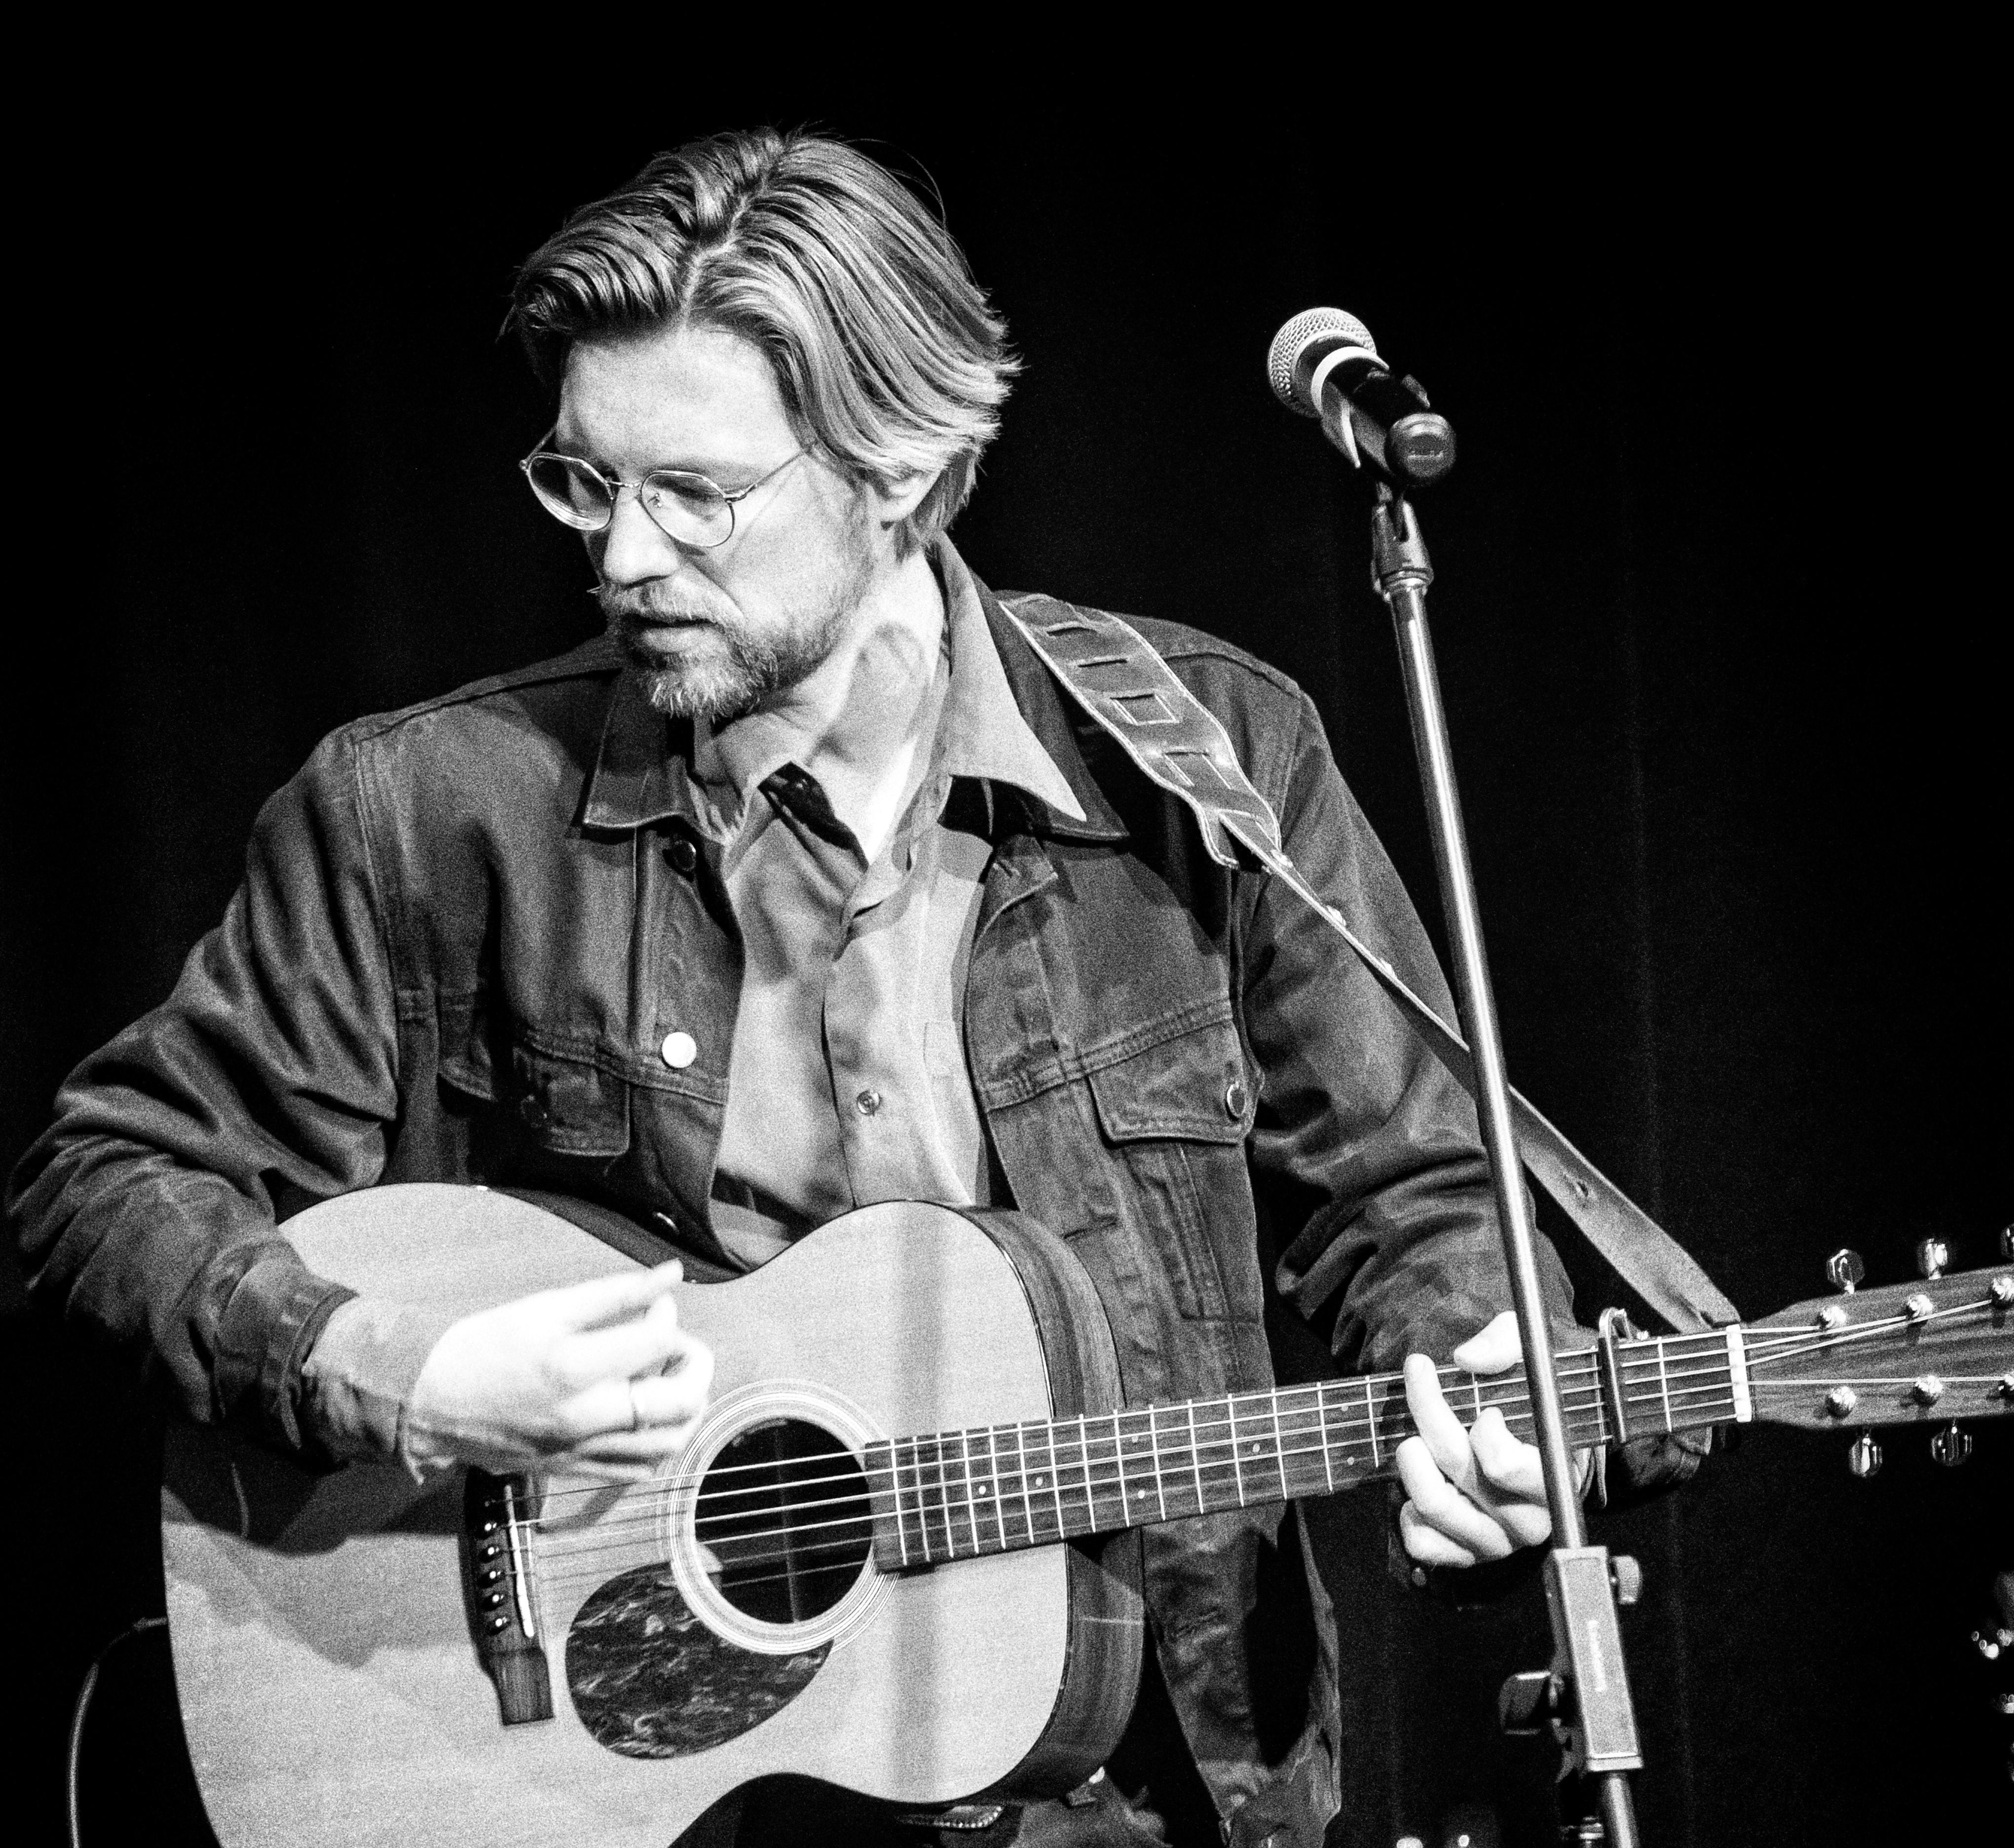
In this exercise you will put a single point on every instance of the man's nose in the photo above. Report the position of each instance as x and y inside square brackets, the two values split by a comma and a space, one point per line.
[633, 548]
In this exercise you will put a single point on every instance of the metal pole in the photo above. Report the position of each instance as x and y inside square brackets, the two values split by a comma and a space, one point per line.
[1402, 572]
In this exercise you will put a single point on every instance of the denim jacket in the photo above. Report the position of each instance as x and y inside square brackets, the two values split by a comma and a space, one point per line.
[466, 929]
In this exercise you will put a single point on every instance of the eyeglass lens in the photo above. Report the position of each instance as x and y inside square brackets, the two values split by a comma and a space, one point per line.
[689, 508]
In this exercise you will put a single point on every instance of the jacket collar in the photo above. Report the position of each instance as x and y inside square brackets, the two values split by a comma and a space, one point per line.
[641, 776]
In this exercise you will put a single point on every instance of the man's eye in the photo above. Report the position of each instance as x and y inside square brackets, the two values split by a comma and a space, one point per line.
[690, 491]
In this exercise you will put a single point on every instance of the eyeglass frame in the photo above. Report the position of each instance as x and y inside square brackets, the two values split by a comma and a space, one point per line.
[615, 485]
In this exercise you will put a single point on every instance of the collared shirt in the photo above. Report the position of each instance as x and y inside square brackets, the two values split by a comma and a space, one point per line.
[847, 1082]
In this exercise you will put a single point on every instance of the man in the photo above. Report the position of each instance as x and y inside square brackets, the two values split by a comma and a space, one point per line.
[805, 887]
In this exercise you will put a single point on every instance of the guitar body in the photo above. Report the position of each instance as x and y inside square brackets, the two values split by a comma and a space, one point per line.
[338, 1679]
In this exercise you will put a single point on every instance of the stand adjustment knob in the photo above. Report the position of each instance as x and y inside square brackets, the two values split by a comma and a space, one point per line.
[1863, 1457]
[1932, 1256]
[1627, 1576]
[1844, 1269]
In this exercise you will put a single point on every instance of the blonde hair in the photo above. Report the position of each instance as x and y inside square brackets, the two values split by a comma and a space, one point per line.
[886, 351]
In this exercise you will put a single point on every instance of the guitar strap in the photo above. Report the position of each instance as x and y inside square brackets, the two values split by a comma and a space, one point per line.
[1110, 669]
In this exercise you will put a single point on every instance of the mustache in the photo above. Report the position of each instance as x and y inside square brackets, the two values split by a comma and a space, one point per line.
[651, 603]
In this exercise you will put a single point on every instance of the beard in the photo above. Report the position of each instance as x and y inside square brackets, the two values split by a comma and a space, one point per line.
[718, 667]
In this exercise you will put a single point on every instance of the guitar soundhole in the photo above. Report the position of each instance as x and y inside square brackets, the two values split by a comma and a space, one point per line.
[783, 1509]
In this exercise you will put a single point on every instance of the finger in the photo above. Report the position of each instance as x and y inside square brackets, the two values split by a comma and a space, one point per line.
[646, 1448]
[676, 1398]
[1509, 1466]
[623, 1404]
[642, 1344]
[1493, 1349]
[1444, 1508]
[1427, 1544]
[1445, 1441]
[610, 1299]
[1527, 1523]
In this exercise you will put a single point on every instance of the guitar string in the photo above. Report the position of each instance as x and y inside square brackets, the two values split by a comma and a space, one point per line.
[1099, 1449]
[1105, 1476]
[1265, 1408]
[1110, 1467]
[1217, 1432]
[1762, 1346]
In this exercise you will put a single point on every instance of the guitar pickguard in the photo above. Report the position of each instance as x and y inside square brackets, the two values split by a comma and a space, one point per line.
[650, 1680]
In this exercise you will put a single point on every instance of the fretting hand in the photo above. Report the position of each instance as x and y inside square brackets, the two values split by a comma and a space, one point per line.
[597, 1379]
[1474, 1493]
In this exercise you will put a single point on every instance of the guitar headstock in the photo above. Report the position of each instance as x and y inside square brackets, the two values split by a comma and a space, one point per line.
[1927, 1353]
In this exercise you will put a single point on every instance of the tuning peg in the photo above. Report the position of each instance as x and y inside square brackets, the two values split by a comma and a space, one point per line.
[1932, 1256]
[1951, 1446]
[2007, 1242]
[1844, 1269]
[1863, 1456]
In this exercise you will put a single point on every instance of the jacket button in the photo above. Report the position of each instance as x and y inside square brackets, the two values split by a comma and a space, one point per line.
[533, 1110]
[682, 853]
[1235, 1099]
[680, 1049]
[867, 1102]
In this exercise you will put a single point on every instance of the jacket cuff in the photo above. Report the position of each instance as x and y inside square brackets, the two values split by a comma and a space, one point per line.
[360, 1377]
[272, 1317]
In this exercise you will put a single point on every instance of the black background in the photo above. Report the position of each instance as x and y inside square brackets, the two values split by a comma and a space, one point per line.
[1719, 637]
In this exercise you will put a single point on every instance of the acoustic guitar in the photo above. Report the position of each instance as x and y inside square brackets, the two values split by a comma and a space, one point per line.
[900, 1553]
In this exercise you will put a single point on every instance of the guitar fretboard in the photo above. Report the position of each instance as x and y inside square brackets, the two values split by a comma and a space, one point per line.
[956, 1494]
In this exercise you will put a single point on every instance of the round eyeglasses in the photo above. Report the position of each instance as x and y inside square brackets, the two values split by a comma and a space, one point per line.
[687, 508]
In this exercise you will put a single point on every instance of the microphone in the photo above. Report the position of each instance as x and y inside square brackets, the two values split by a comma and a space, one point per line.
[1324, 364]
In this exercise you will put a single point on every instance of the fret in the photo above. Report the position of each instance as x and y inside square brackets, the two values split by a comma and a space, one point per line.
[923, 1502]
[1237, 1468]
[1328, 1454]
[1664, 1388]
[1279, 1451]
[942, 1503]
[1021, 1463]
[964, 1482]
[885, 1497]
[985, 1492]
[1160, 1481]
[1195, 1457]
[1370, 1419]
[1091, 1481]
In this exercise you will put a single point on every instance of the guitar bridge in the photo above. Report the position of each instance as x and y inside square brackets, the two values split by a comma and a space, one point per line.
[497, 1586]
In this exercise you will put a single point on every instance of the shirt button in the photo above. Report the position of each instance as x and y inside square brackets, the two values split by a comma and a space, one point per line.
[867, 1102]
[679, 1050]
[1235, 1099]
[682, 853]
[533, 1110]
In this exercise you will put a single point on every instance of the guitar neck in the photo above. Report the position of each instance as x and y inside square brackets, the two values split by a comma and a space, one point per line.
[955, 1494]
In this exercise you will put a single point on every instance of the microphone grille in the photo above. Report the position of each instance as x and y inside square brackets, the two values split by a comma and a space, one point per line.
[1291, 340]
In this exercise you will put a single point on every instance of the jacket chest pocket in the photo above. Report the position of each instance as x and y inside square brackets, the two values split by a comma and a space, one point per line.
[1177, 1113]
[571, 1106]
[560, 1102]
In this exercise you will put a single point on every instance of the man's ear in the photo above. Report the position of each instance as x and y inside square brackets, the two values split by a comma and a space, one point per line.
[890, 506]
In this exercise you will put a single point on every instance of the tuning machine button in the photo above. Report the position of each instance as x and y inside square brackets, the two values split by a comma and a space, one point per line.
[1863, 1456]
[2007, 1242]
[1951, 1446]
[1932, 1256]
[1844, 1269]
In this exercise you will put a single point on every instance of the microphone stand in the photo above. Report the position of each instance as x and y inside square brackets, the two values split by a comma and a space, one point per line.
[1585, 1693]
